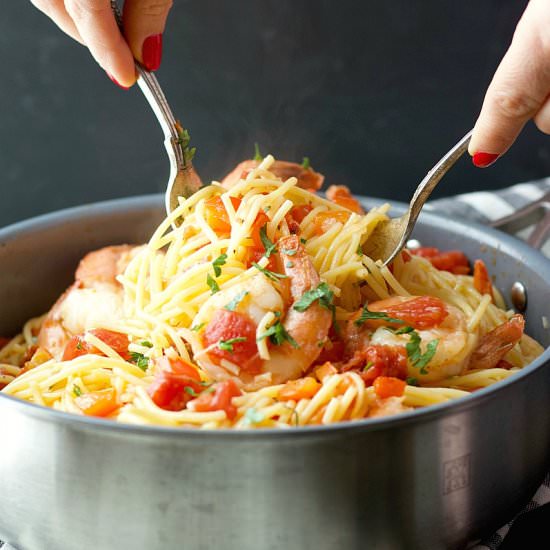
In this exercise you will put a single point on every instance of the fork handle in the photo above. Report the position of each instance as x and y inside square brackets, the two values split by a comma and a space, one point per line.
[433, 177]
[154, 95]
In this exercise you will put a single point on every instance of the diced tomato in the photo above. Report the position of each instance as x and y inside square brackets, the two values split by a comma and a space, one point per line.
[78, 346]
[259, 222]
[324, 220]
[168, 388]
[300, 211]
[98, 403]
[216, 214]
[420, 313]
[425, 252]
[340, 194]
[388, 386]
[303, 388]
[256, 254]
[115, 340]
[219, 400]
[454, 261]
[296, 215]
[482, 281]
[227, 325]
[375, 361]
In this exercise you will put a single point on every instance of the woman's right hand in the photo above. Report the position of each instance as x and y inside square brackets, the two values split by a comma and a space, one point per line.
[520, 89]
[92, 23]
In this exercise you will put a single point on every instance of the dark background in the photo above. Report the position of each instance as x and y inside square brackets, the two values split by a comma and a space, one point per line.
[373, 92]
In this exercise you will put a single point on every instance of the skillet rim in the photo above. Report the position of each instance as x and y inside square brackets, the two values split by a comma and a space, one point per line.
[492, 237]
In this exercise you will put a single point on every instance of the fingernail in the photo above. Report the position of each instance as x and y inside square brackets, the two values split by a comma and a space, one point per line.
[117, 82]
[482, 160]
[151, 52]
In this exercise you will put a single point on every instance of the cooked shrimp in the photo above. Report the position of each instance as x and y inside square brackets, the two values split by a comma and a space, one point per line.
[251, 301]
[455, 344]
[95, 298]
[307, 178]
[308, 328]
[497, 343]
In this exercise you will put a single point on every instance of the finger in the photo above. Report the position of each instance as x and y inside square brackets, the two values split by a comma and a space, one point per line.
[542, 118]
[55, 10]
[518, 90]
[144, 22]
[96, 23]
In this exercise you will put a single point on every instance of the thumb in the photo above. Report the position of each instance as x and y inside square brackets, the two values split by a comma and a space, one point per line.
[144, 22]
[519, 88]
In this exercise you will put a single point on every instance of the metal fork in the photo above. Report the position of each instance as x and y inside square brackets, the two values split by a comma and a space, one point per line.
[183, 180]
[390, 237]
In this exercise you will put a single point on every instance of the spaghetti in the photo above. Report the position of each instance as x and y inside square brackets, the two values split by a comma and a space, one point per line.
[253, 305]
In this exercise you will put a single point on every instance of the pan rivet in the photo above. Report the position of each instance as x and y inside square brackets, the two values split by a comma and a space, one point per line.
[518, 294]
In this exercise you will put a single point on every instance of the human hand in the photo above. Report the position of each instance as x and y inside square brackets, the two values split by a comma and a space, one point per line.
[520, 89]
[92, 23]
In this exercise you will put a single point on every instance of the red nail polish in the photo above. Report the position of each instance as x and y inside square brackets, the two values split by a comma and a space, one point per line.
[117, 82]
[482, 160]
[152, 52]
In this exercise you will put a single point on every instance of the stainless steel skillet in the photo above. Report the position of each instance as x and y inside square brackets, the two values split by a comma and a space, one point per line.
[434, 478]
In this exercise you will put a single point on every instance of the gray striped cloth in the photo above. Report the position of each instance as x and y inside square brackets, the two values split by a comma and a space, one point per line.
[485, 207]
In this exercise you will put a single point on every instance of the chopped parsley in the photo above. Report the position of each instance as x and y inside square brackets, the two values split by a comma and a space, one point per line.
[227, 345]
[414, 352]
[411, 381]
[217, 264]
[269, 274]
[368, 366]
[322, 293]
[140, 360]
[278, 334]
[257, 154]
[268, 245]
[404, 330]
[79, 345]
[254, 416]
[237, 299]
[189, 390]
[183, 141]
[146, 344]
[214, 287]
[305, 163]
[196, 328]
[360, 250]
[378, 315]
[77, 391]
[302, 240]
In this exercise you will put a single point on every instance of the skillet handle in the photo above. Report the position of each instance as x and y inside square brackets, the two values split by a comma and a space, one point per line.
[536, 213]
